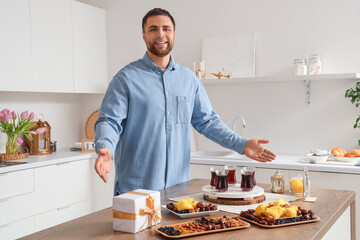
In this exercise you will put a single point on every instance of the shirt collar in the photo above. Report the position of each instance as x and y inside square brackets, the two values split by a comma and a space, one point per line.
[153, 66]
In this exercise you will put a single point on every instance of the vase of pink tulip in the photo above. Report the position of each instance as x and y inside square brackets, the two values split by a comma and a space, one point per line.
[12, 125]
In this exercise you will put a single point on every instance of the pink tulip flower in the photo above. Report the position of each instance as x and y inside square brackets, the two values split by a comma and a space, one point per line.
[6, 111]
[19, 141]
[24, 115]
[40, 130]
[13, 114]
[32, 115]
[2, 116]
[7, 117]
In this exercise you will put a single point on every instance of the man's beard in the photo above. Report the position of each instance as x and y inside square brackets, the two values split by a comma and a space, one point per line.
[158, 52]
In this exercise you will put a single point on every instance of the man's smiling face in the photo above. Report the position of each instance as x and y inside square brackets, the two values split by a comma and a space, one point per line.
[159, 35]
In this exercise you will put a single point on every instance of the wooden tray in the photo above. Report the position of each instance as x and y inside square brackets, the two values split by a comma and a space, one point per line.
[280, 225]
[198, 233]
[232, 201]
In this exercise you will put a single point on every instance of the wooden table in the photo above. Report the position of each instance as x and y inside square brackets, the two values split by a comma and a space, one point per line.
[329, 206]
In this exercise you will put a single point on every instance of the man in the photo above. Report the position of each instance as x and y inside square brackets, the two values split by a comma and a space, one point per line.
[146, 113]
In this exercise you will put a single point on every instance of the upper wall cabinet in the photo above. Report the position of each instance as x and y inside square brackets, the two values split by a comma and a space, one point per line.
[52, 45]
[90, 48]
[15, 46]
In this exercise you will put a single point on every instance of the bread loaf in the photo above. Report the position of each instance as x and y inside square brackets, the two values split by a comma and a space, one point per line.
[353, 153]
[338, 152]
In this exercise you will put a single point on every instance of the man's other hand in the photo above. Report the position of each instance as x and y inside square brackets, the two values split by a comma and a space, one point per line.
[254, 150]
[103, 163]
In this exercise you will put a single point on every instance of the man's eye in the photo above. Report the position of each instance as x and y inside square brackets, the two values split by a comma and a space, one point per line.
[152, 30]
[167, 29]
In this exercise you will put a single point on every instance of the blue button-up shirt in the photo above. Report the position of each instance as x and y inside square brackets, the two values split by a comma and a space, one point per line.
[145, 121]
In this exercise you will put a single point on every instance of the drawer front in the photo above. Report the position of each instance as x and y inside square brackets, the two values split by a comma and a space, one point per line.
[16, 208]
[62, 184]
[17, 229]
[61, 215]
[16, 183]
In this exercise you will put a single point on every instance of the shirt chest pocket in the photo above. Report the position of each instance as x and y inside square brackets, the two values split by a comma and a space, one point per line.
[183, 110]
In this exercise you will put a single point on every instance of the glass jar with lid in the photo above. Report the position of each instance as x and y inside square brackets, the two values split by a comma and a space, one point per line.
[314, 64]
[300, 67]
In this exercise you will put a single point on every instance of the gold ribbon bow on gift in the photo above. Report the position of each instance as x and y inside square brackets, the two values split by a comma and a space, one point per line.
[149, 209]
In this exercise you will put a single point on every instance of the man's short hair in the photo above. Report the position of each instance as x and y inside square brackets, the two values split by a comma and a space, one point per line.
[154, 12]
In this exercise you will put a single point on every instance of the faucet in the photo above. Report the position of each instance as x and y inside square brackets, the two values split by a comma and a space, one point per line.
[235, 120]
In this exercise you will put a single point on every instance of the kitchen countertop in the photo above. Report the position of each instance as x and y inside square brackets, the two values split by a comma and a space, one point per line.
[290, 162]
[34, 161]
[329, 206]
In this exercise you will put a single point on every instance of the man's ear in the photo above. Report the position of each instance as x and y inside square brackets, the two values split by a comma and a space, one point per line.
[143, 35]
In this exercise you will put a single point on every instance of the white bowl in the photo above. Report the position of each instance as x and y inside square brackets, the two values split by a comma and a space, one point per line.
[318, 159]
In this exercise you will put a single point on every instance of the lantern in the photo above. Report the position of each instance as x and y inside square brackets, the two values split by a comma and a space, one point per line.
[277, 183]
[41, 142]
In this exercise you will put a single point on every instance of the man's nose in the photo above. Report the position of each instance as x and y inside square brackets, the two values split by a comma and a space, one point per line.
[161, 33]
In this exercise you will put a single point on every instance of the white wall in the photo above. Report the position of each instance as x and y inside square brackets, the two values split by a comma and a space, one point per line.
[285, 30]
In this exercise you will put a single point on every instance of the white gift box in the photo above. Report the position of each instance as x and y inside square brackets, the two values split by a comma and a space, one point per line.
[132, 211]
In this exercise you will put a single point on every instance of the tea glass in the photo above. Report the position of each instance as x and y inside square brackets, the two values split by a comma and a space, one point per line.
[221, 184]
[248, 178]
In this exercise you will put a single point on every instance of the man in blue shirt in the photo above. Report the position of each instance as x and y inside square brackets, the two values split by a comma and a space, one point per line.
[145, 117]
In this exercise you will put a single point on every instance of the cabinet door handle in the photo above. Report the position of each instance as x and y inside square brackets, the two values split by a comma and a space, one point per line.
[64, 207]
[4, 199]
[4, 225]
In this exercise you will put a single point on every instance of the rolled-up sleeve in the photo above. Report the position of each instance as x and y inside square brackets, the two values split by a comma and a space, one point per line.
[112, 112]
[207, 122]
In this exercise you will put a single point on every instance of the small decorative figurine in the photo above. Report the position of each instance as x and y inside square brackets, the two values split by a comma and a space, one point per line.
[218, 75]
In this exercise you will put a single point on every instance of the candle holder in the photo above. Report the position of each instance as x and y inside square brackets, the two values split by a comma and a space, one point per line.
[277, 183]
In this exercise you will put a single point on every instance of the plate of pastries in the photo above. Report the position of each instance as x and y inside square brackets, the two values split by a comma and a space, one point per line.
[341, 155]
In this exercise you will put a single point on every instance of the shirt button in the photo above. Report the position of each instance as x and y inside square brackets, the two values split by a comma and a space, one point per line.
[168, 113]
[166, 92]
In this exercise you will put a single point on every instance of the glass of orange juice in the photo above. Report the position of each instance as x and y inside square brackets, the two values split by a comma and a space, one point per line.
[296, 185]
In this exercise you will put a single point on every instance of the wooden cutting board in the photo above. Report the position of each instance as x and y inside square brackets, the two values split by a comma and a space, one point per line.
[90, 123]
[234, 201]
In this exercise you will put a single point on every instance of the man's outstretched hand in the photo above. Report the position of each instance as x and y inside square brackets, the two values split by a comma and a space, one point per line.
[254, 150]
[103, 163]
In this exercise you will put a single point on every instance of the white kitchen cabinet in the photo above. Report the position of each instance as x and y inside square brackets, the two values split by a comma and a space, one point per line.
[16, 183]
[52, 54]
[90, 48]
[17, 229]
[43, 197]
[102, 193]
[15, 44]
[62, 214]
[16, 208]
[62, 184]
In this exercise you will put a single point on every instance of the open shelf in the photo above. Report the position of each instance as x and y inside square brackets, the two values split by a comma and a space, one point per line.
[320, 77]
